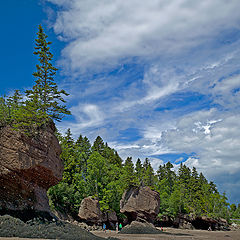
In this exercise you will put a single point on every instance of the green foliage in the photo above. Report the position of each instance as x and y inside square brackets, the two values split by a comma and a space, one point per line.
[45, 92]
[189, 192]
[64, 198]
[41, 104]
[98, 171]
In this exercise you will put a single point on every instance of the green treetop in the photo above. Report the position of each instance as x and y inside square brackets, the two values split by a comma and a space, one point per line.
[45, 93]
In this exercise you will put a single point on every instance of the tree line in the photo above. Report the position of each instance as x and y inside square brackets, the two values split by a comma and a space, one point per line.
[97, 170]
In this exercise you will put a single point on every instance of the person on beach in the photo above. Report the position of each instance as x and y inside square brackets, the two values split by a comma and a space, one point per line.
[120, 227]
[104, 227]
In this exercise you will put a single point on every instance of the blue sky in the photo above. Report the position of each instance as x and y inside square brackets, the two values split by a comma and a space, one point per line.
[157, 79]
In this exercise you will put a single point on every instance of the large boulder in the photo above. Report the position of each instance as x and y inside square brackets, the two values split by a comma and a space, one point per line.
[140, 204]
[90, 212]
[28, 167]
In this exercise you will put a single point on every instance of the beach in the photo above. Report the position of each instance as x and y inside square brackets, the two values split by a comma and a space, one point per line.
[173, 233]
[168, 234]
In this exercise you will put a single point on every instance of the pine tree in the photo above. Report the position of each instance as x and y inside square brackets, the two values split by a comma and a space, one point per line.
[45, 94]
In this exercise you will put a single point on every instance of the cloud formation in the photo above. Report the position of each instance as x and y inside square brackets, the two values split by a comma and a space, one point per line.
[167, 69]
[106, 32]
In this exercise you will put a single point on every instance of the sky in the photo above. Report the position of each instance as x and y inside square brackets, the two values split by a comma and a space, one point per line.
[157, 79]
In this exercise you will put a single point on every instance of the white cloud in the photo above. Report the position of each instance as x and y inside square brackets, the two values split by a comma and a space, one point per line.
[217, 150]
[183, 47]
[103, 32]
[86, 116]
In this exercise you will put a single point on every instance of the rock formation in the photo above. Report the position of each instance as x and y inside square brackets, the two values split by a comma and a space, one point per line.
[190, 221]
[140, 228]
[28, 167]
[110, 219]
[90, 212]
[140, 204]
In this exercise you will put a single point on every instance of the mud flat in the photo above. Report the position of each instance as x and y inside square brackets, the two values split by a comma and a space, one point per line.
[167, 234]
[173, 234]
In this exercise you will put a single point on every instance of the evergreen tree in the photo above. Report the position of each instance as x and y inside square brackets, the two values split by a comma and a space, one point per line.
[128, 175]
[98, 145]
[148, 175]
[139, 171]
[83, 152]
[4, 112]
[45, 97]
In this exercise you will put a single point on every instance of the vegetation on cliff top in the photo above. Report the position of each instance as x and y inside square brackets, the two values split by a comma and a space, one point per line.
[35, 108]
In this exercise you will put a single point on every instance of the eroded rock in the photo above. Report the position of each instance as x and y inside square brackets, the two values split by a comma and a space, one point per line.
[90, 212]
[140, 204]
[190, 221]
[28, 167]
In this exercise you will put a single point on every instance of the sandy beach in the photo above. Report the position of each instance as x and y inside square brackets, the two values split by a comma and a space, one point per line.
[172, 234]
[168, 234]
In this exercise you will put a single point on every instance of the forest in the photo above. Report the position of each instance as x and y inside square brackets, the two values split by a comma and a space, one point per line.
[96, 169]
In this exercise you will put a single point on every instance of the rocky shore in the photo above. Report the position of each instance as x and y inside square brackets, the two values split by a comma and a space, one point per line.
[42, 228]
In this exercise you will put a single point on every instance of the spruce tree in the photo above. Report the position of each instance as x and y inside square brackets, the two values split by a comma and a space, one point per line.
[139, 170]
[45, 93]
[98, 145]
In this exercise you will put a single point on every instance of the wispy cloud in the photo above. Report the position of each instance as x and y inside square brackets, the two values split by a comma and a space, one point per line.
[169, 70]
[103, 32]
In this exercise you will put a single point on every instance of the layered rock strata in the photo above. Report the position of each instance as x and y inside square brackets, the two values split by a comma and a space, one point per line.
[28, 167]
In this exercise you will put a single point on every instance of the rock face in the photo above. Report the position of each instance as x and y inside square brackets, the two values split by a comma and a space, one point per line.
[28, 167]
[164, 221]
[187, 221]
[110, 218]
[90, 212]
[140, 204]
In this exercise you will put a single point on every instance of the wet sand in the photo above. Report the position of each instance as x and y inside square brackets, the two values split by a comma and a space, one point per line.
[168, 234]
[172, 234]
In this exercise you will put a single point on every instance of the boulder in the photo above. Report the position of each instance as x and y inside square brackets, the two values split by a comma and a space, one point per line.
[184, 221]
[90, 212]
[140, 204]
[111, 216]
[28, 167]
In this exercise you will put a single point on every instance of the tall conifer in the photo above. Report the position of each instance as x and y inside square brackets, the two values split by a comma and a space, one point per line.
[45, 93]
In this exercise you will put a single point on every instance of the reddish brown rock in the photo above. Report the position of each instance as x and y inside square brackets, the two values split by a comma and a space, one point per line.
[140, 204]
[90, 212]
[28, 167]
